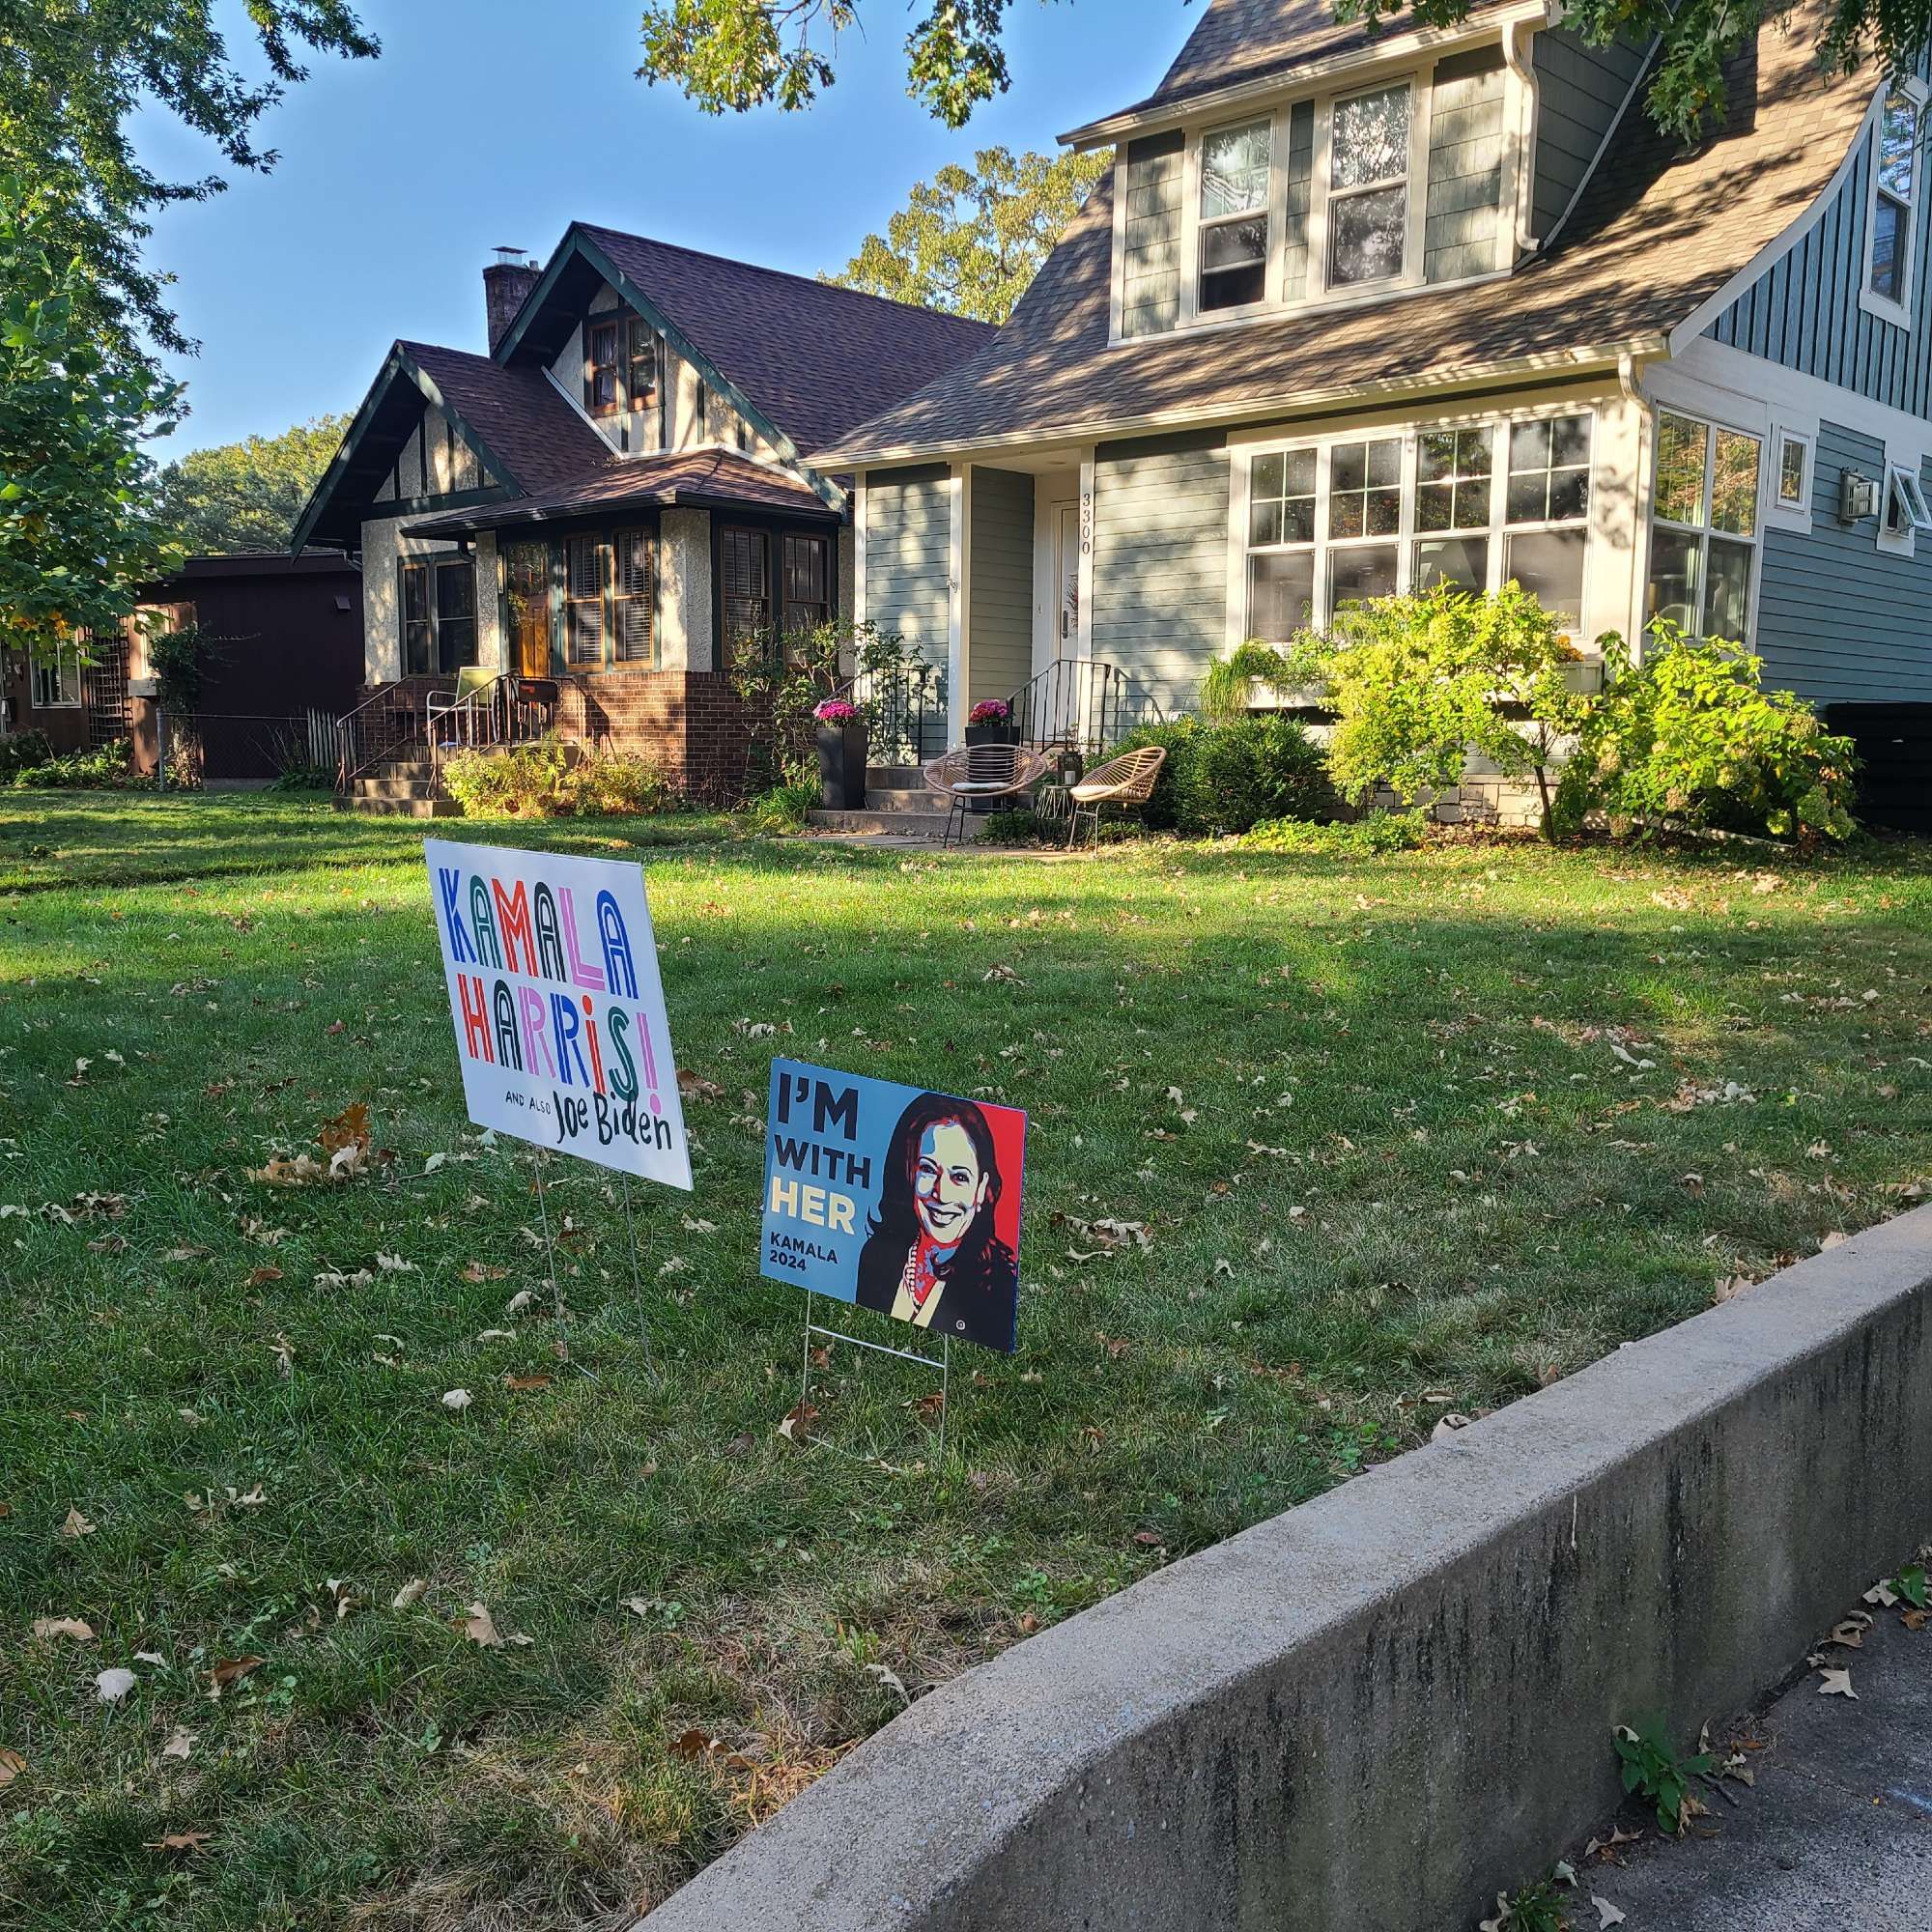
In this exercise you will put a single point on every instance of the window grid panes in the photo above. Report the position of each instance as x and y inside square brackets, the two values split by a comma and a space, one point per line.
[1894, 195]
[1235, 167]
[57, 681]
[1704, 520]
[1791, 471]
[1367, 187]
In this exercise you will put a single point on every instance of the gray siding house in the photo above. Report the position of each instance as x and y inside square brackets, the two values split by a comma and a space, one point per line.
[1357, 312]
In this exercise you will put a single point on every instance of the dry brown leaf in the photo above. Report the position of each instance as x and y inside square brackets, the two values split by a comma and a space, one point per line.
[1836, 1684]
[232, 1669]
[482, 1271]
[76, 1526]
[261, 1277]
[63, 1627]
[480, 1627]
[521, 1382]
[411, 1594]
[694, 1086]
[12, 1765]
[180, 1745]
[178, 1841]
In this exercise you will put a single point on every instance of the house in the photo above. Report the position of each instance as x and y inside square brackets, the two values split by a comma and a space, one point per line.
[283, 640]
[1361, 311]
[614, 499]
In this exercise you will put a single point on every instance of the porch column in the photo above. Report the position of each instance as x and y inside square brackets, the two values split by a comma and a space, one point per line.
[959, 613]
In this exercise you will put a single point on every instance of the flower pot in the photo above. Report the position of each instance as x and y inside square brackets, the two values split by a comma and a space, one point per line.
[1007, 733]
[841, 766]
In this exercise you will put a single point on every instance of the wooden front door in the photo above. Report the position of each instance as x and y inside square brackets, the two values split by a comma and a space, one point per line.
[526, 575]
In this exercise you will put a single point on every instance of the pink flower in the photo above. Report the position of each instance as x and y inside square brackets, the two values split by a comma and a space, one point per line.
[990, 711]
[836, 711]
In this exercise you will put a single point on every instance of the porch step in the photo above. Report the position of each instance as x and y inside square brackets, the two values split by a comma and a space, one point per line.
[895, 824]
[402, 768]
[415, 805]
[395, 785]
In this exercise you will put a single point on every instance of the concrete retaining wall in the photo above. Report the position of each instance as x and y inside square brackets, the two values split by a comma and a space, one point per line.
[1374, 1712]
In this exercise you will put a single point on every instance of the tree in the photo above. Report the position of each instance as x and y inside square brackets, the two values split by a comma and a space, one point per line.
[78, 533]
[969, 241]
[740, 54]
[246, 495]
[72, 74]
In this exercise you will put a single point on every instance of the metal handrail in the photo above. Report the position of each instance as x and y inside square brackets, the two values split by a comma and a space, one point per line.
[355, 754]
[1082, 704]
[907, 711]
[498, 714]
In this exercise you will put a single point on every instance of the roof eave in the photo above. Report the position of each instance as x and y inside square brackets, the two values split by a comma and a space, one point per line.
[1602, 359]
[1397, 50]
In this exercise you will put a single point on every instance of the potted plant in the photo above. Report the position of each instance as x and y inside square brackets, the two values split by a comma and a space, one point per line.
[991, 722]
[841, 754]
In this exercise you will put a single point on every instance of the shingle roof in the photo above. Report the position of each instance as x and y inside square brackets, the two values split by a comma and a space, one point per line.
[517, 413]
[814, 359]
[698, 478]
[1656, 232]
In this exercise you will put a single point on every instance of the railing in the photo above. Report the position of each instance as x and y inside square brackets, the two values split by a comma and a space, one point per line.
[907, 708]
[1082, 704]
[388, 718]
[403, 716]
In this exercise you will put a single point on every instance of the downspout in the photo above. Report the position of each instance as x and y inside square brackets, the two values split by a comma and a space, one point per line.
[1516, 60]
[1646, 416]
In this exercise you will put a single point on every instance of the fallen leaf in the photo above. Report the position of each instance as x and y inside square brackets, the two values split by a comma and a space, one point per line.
[1836, 1684]
[180, 1745]
[76, 1526]
[395, 1265]
[12, 1765]
[458, 1399]
[178, 1841]
[480, 1627]
[63, 1627]
[521, 1382]
[1448, 1426]
[520, 1301]
[801, 1418]
[112, 1686]
[261, 1277]
[694, 1745]
[694, 1086]
[232, 1669]
[889, 1679]
[480, 1271]
[411, 1594]
[1607, 1914]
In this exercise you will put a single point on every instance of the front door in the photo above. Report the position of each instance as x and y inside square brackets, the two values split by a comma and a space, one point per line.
[1067, 572]
[526, 575]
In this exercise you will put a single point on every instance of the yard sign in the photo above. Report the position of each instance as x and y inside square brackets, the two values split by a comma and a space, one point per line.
[897, 1200]
[559, 1010]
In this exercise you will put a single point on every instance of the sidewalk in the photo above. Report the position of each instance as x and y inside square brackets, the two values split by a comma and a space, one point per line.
[1837, 1835]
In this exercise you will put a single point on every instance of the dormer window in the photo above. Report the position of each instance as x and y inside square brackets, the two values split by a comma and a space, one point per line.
[600, 367]
[621, 365]
[1367, 187]
[1891, 238]
[1235, 165]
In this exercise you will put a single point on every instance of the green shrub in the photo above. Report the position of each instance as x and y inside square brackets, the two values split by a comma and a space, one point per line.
[107, 768]
[23, 752]
[1689, 737]
[1251, 769]
[1227, 688]
[1020, 827]
[785, 808]
[1375, 833]
[551, 780]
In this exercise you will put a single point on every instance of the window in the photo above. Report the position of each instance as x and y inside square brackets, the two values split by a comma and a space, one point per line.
[808, 583]
[1367, 187]
[640, 365]
[1793, 464]
[1234, 171]
[1467, 504]
[1546, 505]
[610, 599]
[1703, 540]
[745, 582]
[583, 571]
[600, 367]
[633, 596]
[438, 602]
[1453, 494]
[1904, 512]
[1894, 199]
[57, 680]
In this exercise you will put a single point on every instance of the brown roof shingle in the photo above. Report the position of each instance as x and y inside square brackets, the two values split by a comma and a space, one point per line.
[1657, 233]
[517, 413]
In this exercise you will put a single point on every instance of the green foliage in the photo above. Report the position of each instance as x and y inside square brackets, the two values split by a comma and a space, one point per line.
[23, 751]
[1229, 689]
[1534, 1907]
[244, 497]
[72, 78]
[1654, 1773]
[1366, 837]
[1689, 737]
[1909, 1583]
[551, 779]
[1019, 828]
[179, 659]
[1230, 777]
[970, 241]
[1421, 681]
[785, 808]
[77, 535]
[107, 768]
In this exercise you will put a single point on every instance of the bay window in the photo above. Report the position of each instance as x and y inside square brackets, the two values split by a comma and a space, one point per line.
[1367, 187]
[1337, 521]
[1235, 165]
[1703, 538]
[1894, 201]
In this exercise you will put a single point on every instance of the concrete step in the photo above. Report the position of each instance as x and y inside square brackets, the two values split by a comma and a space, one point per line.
[402, 768]
[384, 785]
[402, 808]
[893, 824]
[895, 798]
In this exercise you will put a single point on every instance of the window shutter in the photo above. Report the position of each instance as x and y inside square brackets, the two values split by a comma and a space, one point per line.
[585, 588]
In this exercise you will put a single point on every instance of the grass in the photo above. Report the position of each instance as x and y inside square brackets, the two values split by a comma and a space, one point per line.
[1408, 1134]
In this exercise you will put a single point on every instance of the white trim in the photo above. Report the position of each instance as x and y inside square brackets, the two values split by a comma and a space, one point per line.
[1898, 313]
[958, 603]
[1903, 478]
[1117, 281]
[1784, 513]
[1705, 530]
[860, 497]
[1523, 109]
[1389, 52]
[1692, 327]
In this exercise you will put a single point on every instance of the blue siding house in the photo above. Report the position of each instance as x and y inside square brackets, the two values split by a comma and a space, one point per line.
[1361, 311]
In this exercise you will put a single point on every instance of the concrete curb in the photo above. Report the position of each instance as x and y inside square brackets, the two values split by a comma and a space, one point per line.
[1373, 1713]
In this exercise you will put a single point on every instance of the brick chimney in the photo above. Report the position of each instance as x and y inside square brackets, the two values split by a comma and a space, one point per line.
[506, 281]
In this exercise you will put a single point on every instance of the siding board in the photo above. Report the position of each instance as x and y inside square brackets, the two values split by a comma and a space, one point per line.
[1001, 610]
[909, 557]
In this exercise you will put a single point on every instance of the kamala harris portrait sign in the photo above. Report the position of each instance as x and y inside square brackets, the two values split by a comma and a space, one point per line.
[895, 1199]
[559, 1008]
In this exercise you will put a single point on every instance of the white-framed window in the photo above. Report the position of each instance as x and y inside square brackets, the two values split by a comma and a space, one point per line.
[1794, 472]
[1891, 229]
[1902, 512]
[1236, 170]
[1368, 187]
[1337, 520]
[57, 679]
[1704, 526]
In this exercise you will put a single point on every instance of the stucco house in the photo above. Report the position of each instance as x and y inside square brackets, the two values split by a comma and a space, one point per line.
[614, 493]
[1356, 312]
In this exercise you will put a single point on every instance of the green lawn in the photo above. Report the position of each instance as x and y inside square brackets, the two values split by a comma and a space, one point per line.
[1407, 1135]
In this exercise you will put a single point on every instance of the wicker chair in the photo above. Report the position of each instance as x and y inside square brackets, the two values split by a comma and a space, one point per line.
[972, 774]
[1125, 780]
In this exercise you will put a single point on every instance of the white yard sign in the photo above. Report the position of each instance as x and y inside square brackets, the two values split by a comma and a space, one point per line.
[559, 1013]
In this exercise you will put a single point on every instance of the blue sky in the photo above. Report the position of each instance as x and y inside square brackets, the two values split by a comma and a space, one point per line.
[501, 121]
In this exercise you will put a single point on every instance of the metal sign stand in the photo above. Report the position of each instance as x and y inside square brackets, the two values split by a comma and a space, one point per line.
[943, 1368]
[637, 1283]
[556, 1276]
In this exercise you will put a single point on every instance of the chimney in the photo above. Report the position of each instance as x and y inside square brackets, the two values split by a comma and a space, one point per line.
[506, 281]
